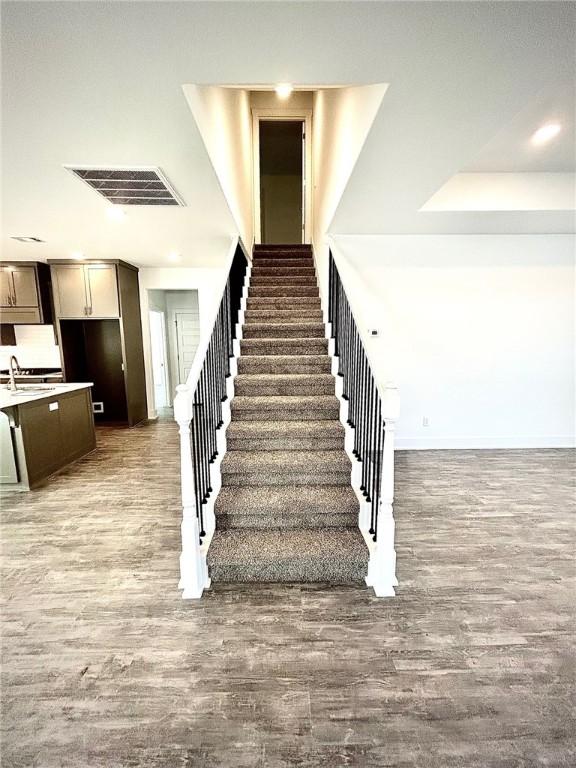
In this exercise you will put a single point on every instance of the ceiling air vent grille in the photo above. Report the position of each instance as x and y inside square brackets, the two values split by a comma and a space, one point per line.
[129, 186]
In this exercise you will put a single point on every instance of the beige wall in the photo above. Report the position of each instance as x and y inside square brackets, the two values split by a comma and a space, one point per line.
[224, 120]
[269, 100]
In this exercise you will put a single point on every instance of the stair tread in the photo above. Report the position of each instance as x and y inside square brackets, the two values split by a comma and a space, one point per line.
[296, 499]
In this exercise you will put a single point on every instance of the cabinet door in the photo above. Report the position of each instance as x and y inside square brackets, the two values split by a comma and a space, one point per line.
[69, 290]
[25, 290]
[102, 289]
[6, 288]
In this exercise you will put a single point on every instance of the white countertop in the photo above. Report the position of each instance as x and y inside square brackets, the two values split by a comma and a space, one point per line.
[29, 393]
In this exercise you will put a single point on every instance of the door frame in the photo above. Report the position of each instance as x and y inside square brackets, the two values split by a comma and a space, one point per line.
[291, 114]
[164, 340]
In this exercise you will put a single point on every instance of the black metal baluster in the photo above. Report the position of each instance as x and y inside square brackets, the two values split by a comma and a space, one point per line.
[378, 474]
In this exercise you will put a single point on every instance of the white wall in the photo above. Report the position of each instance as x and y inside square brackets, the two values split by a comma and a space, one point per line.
[223, 118]
[342, 120]
[477, 331]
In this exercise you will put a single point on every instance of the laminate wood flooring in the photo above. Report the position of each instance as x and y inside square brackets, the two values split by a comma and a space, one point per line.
[470, 666]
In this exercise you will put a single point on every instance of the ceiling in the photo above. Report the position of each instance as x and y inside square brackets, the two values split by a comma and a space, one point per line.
[101, 84]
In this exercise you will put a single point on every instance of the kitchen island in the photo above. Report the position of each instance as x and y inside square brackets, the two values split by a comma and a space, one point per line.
[42, 430]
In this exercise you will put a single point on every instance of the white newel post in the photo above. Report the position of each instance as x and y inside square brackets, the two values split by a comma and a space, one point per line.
[382, 566]
[193, 567]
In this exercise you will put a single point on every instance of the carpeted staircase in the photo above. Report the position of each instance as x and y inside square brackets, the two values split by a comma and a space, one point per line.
[286, 511]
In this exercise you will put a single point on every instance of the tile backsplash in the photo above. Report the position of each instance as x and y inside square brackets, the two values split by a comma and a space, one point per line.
[35, 347]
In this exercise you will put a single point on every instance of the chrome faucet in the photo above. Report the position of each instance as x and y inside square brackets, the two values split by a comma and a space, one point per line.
[14, 367]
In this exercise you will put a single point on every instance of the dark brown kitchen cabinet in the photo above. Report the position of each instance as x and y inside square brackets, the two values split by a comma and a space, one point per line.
[97, 306]
[25, 293]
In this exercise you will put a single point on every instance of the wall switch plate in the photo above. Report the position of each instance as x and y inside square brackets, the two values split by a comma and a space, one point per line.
[373, 331]
[425, 421]
[97, 407]
[52, 406]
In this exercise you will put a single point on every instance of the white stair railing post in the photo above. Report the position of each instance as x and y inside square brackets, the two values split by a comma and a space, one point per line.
[193, 566]
[382, 565]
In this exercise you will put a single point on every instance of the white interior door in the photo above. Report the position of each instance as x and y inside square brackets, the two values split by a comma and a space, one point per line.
[159, 359]
[186, 342]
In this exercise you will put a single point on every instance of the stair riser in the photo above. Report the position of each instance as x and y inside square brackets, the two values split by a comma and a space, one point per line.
[282, 253]
[283, 316]
[308, 571]
[281, 272]
[263, 522]
[285, 388]
[286, 444]
[283, 280]
[287, 348]
[294, 414]
[285, 478]
[279, 302]
[262, 364]
[272, 263]
[269, 291]
[298, 331]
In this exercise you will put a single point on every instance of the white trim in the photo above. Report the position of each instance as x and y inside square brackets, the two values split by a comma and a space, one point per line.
[194, 576]
[282, 113]
[382, 555]
[484, 443]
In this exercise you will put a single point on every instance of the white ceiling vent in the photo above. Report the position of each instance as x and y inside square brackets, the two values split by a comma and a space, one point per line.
[129, 186]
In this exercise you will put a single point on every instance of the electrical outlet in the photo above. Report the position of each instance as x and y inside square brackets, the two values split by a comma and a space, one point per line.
[425, 421]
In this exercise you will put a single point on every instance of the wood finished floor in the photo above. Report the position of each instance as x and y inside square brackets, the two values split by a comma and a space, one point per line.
[471, 666]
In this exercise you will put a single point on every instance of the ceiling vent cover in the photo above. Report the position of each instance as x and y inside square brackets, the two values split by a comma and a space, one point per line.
[129, 186]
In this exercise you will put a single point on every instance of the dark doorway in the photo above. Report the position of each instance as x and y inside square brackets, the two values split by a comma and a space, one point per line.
[281, 189]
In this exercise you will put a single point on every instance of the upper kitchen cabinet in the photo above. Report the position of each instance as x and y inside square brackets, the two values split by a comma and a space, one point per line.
[85, 290]
[97, 310]
[25, 294]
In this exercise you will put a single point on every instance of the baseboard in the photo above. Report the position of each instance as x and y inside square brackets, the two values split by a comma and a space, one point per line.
[484, 443]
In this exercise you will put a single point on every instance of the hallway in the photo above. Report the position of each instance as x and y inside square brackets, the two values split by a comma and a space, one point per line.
[469, 667]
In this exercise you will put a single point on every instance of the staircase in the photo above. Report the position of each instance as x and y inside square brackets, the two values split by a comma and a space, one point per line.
[286, 511]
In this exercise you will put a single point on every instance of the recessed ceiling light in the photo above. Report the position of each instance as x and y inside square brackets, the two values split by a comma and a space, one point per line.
[283, 90]
[27, 239]
[76, 255]
[174, 256]
[116, 212]
[547, 132]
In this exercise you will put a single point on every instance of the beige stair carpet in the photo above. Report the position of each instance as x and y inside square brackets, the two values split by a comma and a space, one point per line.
[286, 511]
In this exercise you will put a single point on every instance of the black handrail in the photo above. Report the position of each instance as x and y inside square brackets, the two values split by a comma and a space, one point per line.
[211, 388]
[359, 388]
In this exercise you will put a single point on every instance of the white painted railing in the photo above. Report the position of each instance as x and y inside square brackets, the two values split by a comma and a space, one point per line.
[202, 411]
[376, 518]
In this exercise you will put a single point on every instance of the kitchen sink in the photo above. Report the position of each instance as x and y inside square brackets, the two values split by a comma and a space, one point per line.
[31, 390]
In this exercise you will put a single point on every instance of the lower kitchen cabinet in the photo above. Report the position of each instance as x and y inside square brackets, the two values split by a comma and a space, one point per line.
[49, 432]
